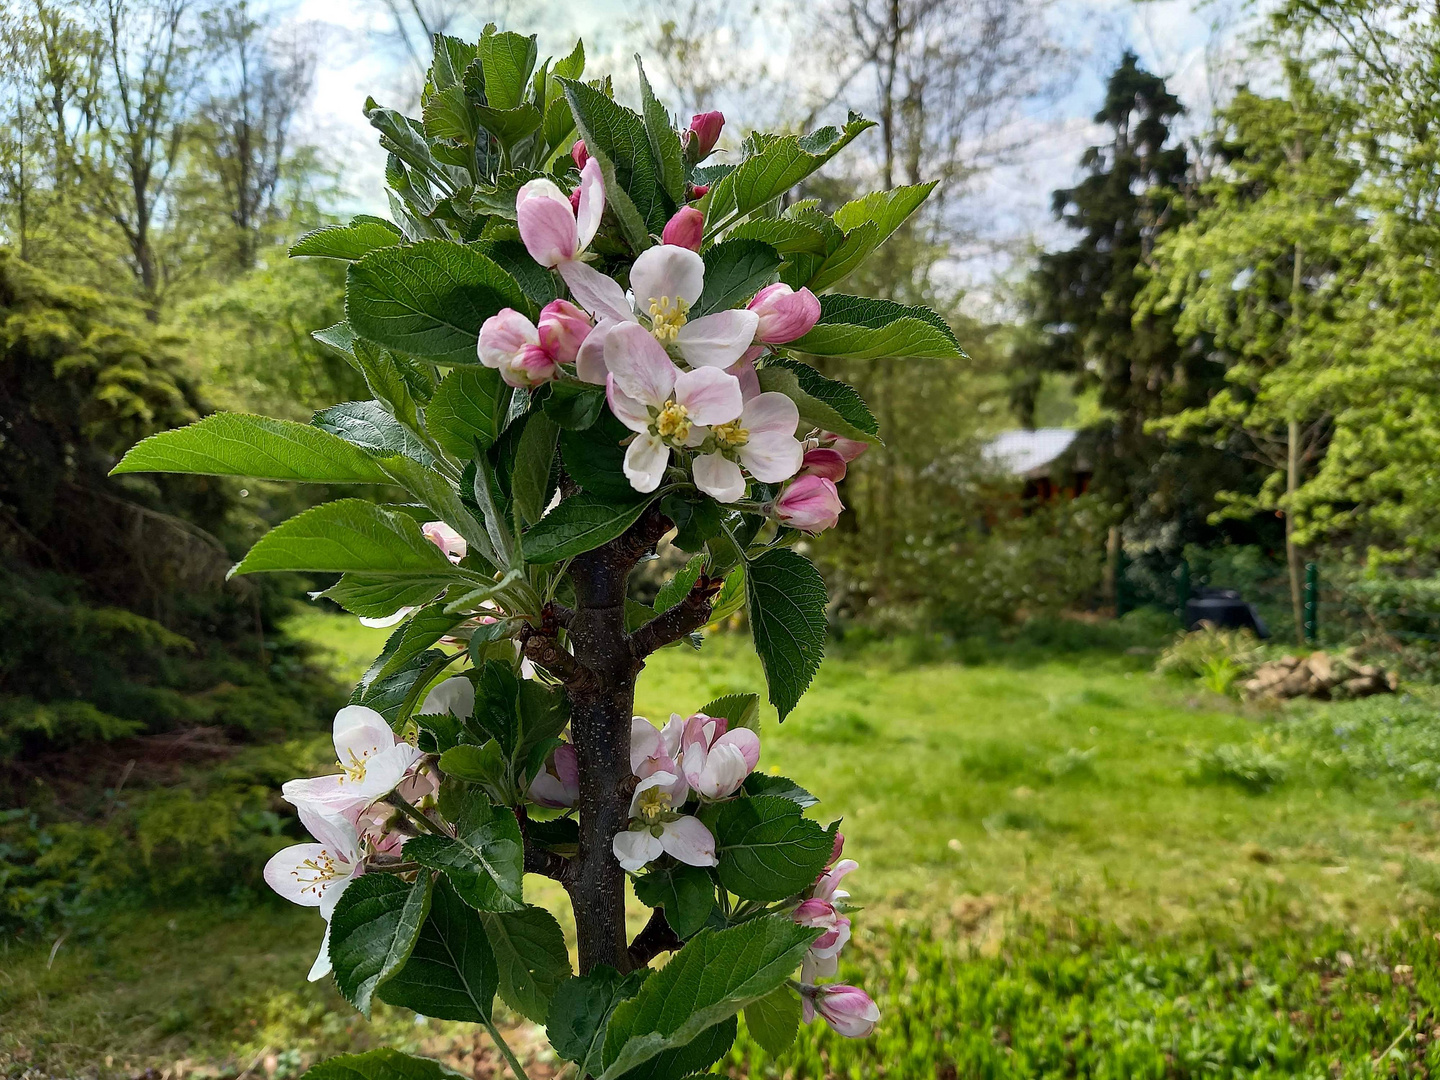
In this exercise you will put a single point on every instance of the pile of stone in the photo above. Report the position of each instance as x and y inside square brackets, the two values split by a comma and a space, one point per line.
[1320, 675]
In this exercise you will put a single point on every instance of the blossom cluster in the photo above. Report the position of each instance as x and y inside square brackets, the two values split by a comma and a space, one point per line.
[686, 387]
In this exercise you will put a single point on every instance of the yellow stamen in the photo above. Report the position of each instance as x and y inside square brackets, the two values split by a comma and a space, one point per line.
[355, 771]
[322, 870]
[654, 803]
[673, 422]
[731, 435]
[667, 315]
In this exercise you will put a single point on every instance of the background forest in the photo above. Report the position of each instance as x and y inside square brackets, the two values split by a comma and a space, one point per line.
[1235, 307]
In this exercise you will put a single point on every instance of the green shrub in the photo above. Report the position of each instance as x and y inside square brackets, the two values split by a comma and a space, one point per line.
[1250, 767]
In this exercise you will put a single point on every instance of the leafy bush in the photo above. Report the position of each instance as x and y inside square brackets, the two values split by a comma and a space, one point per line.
[1250, 767]
[1202, 652]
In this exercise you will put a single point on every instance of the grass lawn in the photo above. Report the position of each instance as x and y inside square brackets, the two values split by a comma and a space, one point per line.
[1128, 855]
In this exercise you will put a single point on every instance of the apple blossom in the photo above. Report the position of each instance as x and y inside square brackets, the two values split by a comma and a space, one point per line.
[665, 282]
[372, 760]
[699, 191]
[527, 354]
[455, 696]
[317, 874]
[811, 504]
[822, 958]
[824, 461]
[557, 785]
[716, 761]
[762, 439]
[784, 314]
[667, 409]
[656, 829]
[704, 133]
[655, 749]
[837, 850]
[553, 232]
[847, 1009]
[849, 449]
[827, 884]
[686, 229]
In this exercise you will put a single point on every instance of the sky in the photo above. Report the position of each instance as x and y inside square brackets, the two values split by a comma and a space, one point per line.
[1172, 38]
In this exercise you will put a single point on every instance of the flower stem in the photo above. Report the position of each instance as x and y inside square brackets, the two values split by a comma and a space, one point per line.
[417, 816]
[506, 1052]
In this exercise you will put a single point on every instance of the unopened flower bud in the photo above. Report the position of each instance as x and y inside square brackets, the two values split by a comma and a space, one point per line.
[847, 1009]
[811, 504]
[699, 191]
[579, 154]
[686, 229]
[784, 313]
[705, 133]
[823, 461]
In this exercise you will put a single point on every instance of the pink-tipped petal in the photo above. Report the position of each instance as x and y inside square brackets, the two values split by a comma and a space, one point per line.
[771, 456]
[811, 504]
[640, 367]
[599, 295]
[590, 357]
[745, 741]
[688, 840]
[823, 461]
[686, 229]
[710, 396]
[784, 314]
[717, 340]
[592, 204]
[627, 410]
[563, 328]
[771, 412]
[667, 272]
[705, 132]
[719, 477]
[635, 849]
[546, 222]
[504, 336]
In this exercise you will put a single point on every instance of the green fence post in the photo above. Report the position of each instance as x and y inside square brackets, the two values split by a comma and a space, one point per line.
[1312, 601]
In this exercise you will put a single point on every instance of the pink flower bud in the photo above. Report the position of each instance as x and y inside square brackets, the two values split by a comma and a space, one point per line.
[699, 191]
[849, 449]
[811, 504]
[705, 132]
[847, 1009]
[579, 154]
[563, 328]
[685, 229]
[825, 462]
[837, 850]
[575, 202]
[445, 538]
[558, 784]
[784, 313]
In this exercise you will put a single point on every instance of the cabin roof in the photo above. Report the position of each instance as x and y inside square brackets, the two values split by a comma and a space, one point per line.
[1025, 452]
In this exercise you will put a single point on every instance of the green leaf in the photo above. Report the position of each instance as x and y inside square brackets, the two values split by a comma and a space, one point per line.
[774, 1020]
[823, 403]
[483, 862]
[575, 406]
[428, 299]
[237, 444]
[395, 696]
[452, 56]
[622, 139]
[509, 126]
[731, 597]
[767, 850]
[354, 241]
[572, 66]
[451, 972]
[537, 282]
[444, 501]
[580, 1010]
[413, 637]
[697, 518]
[497, 705]
[690, 1060]
[868, 223]
[781, 787]
[777, 167]
[346, 535]
[483, 765]
[786, 599]
[679, 586]
[742, 710]
[383, 1064]
[580, 523]
[385, 376]
[595, 458]
[469, 406]
[632, 220]
[449, 114]
[665, 145]
[786, 236]
[735, 270]
[368, 425]
[685, 892]
[507, 60]
[715, 975]
[530, 475]
[865, 328]
[530, 952]
[543, 715]
[378, 598]
[373, 930]
[339, 337]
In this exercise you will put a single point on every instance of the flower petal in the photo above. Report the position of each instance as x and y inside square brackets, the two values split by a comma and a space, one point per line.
[687, 839]
[546, 222]
[716, 340]
[670, 272]
[321, 967]
[639, 365]
[771, 411]
[505, 336]
[645, 462]
[455, 696]
[719, 477]
[360, 731]
[590, 358]
[285, 870]
[627, 410]
[592, 204]
[745, 741]
[601, 296]
[381, 622]
[635, 849]
[710, 396]
[772, 457]
[644, 741]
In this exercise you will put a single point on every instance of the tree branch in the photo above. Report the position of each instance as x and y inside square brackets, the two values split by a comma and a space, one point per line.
[657, 937]
[685, 617]
[545, 650]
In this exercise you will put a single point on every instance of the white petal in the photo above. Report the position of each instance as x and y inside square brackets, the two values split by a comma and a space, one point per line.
[590, 359]
[772, 457]
[599, 295]
[725, 770]
[818, 967]
[455, 696]
[644, 741]
[321, 967]
[331, 896]
[645, 462]
[592, 203]
[688, 840]
[709, 395]
[771, 411]
[328, 795]
[639, 365]
[719, 477]
[385, 770]
[336, 832]
[670, 734]
[284, 871]
[635, 849]
[667, 270]
[627, 410]
[717, 340]
[359, 732]
[381, 622]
